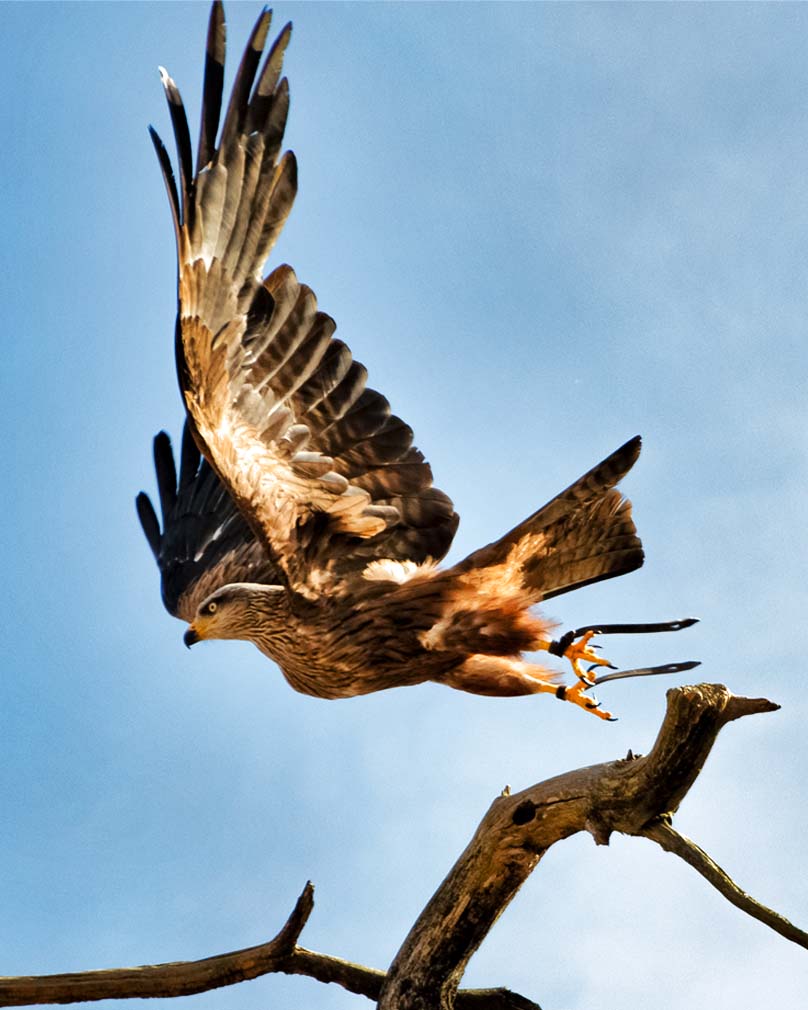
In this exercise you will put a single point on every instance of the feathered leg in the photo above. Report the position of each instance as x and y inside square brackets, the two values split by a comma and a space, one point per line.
[498, 676]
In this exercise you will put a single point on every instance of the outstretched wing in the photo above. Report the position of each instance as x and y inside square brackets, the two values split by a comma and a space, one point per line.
[322, 471]
[204, 542]
[583, 535]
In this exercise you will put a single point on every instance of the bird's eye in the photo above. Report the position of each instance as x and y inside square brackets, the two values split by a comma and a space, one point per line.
[211, 607]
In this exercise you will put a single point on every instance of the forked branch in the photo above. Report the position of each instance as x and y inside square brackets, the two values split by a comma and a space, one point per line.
[625, 796]
[635, 796]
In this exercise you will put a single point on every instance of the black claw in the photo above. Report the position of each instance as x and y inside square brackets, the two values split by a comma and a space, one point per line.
[612, 718]
[593, 704]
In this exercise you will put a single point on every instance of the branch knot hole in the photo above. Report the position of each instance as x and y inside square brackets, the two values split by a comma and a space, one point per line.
[524, 813]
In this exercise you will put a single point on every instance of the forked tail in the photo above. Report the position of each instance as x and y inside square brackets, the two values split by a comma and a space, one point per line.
[583, 535]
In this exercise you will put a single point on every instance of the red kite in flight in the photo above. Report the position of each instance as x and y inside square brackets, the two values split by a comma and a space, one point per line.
[303, 518]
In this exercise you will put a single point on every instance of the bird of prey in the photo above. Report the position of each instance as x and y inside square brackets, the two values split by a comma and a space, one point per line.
[303, 518]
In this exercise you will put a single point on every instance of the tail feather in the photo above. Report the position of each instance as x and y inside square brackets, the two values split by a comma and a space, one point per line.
[583, 535]
[599, 542]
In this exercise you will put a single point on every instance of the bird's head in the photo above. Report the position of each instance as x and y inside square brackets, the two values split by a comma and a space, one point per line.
[234, 611]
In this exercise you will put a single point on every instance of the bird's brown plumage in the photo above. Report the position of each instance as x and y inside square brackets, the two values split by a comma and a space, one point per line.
[308, 470]
[276, 403]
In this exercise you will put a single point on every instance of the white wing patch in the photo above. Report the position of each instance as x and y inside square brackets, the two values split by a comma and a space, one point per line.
[388, 570]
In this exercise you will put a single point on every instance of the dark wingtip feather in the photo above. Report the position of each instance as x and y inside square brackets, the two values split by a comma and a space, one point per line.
[166, 472]
[258, 38]
[168, 179]
[213, 85]
[274, 61]
[182, 137]
[189, 458]
[148, 521]
[245, 75]
[289, 166]
[269, 104]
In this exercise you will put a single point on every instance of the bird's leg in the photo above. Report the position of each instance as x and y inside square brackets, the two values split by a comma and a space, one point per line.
[500, 676]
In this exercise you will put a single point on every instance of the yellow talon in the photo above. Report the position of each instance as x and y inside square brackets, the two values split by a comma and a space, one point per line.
[578, 696]
[580, 652]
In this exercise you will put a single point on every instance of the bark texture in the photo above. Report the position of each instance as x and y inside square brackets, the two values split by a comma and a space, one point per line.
[633, 795]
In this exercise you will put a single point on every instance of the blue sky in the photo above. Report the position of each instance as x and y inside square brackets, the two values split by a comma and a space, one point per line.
[543, 228]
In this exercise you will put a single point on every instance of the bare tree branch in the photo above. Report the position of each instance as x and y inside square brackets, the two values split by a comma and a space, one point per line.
[663, 832]
[324, 968]
[183, 978]
[635, 796]
[620, 796]
[368, 982]
[177, 978]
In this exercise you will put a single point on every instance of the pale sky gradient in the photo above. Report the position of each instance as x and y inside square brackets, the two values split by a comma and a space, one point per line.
[543, 228]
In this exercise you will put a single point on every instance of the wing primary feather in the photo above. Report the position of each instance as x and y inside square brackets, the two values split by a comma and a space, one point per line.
[182, 137]
[245, 75]
[166, 473]
[234, 200]
[266, 218]
[213, 85]
[189, 458]
[265, 95]
[170, 182]
[271, 71]
[282, 196]
[239, 223]
[149, 522]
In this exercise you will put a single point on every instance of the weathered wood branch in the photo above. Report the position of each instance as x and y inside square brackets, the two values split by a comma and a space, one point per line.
[368, 982]
[635, 796]
[624, 796]
[183, 978]
[177, 978]
[663, 832]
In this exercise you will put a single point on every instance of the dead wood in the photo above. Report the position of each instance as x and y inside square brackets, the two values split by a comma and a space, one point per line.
[634, 795]
[625, 796]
